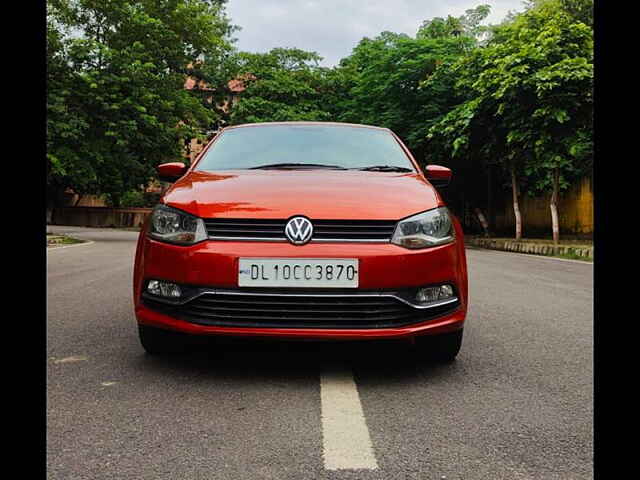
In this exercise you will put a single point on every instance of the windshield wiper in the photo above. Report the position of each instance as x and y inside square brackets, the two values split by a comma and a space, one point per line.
[385, 168]
[297, 165]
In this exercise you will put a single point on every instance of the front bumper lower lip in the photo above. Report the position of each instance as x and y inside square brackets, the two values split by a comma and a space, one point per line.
[447, 323]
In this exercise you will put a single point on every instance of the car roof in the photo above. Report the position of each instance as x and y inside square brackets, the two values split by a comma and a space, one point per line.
[335, 124]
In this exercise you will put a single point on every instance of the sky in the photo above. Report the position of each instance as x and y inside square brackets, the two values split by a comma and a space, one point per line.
[332, 28]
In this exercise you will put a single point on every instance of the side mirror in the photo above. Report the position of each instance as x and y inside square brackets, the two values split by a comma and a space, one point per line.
[170, 172]
[438, 176]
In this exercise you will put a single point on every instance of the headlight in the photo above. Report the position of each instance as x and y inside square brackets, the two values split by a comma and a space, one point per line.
[173, 226]
[426, 229]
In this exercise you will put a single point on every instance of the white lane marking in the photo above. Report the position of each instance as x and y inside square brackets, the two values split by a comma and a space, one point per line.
[86, 242]
[73, 358]
[345, 437]
[107, 384]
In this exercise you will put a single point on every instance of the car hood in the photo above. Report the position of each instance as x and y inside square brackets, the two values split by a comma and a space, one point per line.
[317, 194]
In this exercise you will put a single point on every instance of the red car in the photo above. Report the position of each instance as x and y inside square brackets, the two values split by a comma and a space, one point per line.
[305, 230]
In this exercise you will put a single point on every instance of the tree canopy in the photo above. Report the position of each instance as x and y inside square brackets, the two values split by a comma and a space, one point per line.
[116, 106]
[284, 84]
[529, 97]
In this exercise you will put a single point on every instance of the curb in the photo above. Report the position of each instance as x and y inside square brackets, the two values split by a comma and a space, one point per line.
[85, 242]
[531, 248]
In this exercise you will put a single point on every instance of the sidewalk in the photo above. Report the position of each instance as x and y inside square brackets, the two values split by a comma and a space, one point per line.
[578, 249]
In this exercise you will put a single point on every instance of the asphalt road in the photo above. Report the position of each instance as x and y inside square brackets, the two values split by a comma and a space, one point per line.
[516, 404]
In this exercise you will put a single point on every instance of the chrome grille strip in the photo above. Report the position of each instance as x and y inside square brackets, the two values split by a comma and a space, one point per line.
[316, 240]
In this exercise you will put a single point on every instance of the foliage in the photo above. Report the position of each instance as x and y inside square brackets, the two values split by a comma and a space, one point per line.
[383, 82]
[405, 83]
[530, 91]
[284, 84]
[467, 25]
[138, 199]
[133, 198]
[65, 123]
[115, 102]
[387, 83]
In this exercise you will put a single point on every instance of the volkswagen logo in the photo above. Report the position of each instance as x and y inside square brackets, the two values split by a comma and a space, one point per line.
[298, 230]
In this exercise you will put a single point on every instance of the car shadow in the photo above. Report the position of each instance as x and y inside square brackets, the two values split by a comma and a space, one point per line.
[385, 361]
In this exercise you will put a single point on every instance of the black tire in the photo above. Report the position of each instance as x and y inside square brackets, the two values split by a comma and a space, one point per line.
[156, 341]
[441, 348]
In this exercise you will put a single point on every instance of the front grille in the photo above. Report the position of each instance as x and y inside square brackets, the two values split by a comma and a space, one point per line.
[379, 230]
[241, 308]
[323, 230]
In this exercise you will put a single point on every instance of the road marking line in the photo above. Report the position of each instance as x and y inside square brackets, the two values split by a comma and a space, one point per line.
[73, 358]
[346, 441]
[86, 242]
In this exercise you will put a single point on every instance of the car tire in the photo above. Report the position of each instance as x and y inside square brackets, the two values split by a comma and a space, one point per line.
[442, 348]
[157, 341]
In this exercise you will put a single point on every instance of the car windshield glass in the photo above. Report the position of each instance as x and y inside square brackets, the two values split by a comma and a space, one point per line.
[294, 146]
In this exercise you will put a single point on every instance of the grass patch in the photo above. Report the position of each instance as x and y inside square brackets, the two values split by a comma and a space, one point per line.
[55, 240]
[572, 256]
[69, 241]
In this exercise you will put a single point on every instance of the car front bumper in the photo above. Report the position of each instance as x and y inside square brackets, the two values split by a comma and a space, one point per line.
[212, 266]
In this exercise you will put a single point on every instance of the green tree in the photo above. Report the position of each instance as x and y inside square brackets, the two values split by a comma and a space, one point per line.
[387, 85]
[117, 106]
[66, 123]
[406, 83]
[284, 84]
[531, 87]
[467, 25]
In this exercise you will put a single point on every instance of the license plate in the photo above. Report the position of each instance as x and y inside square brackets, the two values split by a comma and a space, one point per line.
[298, 272]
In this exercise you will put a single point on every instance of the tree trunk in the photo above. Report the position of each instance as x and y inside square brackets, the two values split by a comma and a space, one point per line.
[490, 221]
[482, 221]
[516, 206]
[554, 206]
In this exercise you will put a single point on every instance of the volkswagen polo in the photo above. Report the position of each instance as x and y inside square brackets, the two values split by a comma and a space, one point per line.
[302, 230]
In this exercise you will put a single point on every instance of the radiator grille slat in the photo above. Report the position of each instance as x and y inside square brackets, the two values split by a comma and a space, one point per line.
[284, 302]
[300, 310]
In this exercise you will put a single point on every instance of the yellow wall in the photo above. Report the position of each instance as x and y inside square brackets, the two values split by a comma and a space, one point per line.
[575, 210]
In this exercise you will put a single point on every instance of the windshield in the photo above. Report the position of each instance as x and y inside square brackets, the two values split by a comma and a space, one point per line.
[297, 146]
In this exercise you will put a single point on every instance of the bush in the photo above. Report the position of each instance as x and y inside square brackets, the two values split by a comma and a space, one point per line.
[151, 199]
[138, 199]
[133, 199]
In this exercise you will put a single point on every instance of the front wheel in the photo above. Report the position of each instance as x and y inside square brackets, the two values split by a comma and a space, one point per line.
[440, 348]
[157, 341]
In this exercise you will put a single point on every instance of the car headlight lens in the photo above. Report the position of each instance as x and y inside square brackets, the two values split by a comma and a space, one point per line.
[173, 226]
[426, 229]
